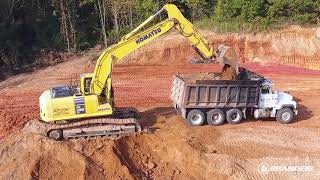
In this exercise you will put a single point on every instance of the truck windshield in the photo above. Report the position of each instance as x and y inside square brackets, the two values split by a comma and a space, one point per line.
[265, 90]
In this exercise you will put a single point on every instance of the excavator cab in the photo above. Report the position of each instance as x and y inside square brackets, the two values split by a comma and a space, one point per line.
[85, 83]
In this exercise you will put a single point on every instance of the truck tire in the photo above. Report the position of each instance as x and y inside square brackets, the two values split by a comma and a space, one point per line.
[215, 117]
[196, 117]
[284, 115]
[234, 116]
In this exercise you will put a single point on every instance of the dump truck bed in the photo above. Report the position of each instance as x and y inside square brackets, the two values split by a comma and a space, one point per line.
[190, 92]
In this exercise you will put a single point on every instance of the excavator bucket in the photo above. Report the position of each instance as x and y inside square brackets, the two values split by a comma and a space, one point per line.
[227, 56]
[224, 55]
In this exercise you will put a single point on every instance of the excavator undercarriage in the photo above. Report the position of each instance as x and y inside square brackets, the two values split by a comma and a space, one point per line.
[122, 122]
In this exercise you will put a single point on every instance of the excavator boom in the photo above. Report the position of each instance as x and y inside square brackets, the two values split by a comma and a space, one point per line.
[139, 37]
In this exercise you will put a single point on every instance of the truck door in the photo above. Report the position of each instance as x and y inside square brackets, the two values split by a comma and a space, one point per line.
[267, 98]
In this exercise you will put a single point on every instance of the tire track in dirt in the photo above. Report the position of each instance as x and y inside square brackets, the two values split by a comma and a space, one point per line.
[283, 138]
[234, 146]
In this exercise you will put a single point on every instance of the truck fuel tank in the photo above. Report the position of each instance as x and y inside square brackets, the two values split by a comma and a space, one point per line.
[261, 113]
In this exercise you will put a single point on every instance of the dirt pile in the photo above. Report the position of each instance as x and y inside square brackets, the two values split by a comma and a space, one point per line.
[228, 73]
[193, 78]
[136, 157]
[174, 152]
[41, 158]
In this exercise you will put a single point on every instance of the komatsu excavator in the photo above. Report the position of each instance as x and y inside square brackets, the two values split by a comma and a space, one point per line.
[88, 110]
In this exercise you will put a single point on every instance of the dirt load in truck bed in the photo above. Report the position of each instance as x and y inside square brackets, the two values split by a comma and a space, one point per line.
[231, 74]
[202, 76]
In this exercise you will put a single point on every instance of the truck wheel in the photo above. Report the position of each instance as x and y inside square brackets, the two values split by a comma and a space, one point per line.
[196, 117]
[215, 117]
[284, 115]
[234, 116]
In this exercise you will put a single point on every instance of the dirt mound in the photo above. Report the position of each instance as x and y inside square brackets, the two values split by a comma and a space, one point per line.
[31, 155]
[228, 73]
[174, 152]
[133, 157]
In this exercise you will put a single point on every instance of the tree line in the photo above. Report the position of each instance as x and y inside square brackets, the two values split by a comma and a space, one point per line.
[29, 26]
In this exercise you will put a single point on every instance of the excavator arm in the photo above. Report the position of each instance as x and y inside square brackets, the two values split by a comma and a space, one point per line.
[101, 80]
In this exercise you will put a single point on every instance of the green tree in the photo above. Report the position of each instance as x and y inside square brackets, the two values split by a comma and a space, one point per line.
[227, 9]
[198, 8]
[253, 9]
[302, 11]
[145, 8]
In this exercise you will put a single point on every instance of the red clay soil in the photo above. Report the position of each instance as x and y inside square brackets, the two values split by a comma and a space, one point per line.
[294, 46]
[173, 150]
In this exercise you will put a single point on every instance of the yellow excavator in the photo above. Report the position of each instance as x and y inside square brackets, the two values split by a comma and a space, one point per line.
[88, 110]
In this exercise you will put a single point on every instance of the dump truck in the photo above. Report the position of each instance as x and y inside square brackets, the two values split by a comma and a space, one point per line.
[216, 101]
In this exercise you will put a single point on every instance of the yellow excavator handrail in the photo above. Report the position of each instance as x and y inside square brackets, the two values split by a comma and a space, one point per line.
[101, 81]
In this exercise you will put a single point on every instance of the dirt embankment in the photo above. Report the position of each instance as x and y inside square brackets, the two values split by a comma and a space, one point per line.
[293, 46]
[172, 150]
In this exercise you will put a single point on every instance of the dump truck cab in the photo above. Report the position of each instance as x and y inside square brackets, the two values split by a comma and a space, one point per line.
[272, 103]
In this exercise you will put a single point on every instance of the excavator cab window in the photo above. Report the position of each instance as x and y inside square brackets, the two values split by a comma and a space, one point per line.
[61, 91]
[87, 82]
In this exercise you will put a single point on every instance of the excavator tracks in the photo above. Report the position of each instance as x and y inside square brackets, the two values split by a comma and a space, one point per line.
[99, 127]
